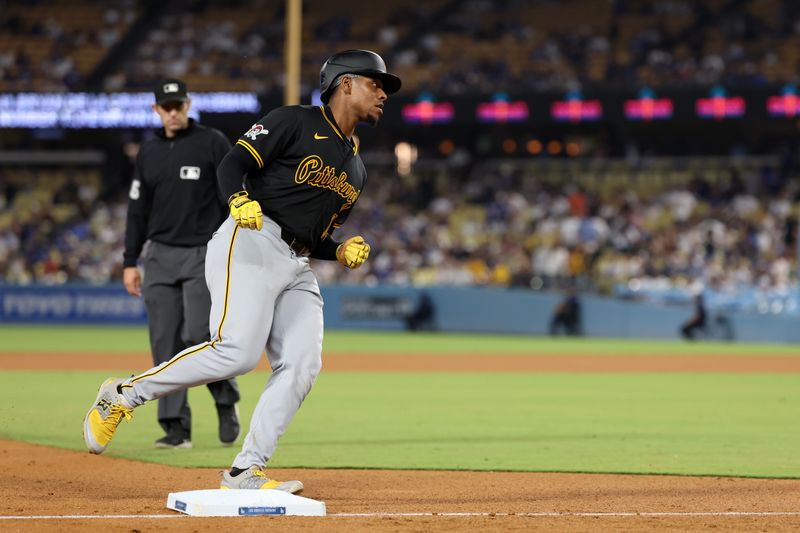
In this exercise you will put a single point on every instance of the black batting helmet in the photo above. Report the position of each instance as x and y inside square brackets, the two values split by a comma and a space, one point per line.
[355, 62]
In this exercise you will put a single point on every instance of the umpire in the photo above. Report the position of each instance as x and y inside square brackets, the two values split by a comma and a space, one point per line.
[175, 206]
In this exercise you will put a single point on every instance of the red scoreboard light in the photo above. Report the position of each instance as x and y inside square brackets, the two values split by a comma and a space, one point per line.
[428, 112]
[719, 106]
[575, 109]
[785, 105]
[501, 110]
[648, 108]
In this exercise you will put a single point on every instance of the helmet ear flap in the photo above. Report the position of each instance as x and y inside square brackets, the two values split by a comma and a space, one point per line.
[327, 78]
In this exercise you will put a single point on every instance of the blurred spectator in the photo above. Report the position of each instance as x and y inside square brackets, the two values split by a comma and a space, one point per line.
[422, 316]
[698, 321]
[567, 315]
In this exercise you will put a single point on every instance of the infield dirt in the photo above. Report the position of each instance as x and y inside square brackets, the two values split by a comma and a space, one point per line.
[41, 481]
[420, 362]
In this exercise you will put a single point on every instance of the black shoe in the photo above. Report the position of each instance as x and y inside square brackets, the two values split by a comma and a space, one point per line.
[176, 438]
[228, 424]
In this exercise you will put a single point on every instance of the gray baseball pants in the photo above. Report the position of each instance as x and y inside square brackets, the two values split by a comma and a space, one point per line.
[262, 296]
[178, 304]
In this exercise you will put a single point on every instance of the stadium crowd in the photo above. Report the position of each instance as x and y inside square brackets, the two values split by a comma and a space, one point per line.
[621, 43]
[54, 229]
[515, 230]
[511, 230]
[484, 45]
[55, 46]
[502, 225]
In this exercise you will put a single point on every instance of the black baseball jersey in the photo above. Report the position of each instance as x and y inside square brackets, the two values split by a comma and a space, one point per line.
[174, 195]
[304, 171]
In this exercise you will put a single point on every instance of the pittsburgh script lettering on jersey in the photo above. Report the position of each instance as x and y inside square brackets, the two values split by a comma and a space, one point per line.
[313, 171]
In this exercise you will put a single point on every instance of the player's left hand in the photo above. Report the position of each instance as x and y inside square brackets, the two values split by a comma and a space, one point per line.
[353, 252]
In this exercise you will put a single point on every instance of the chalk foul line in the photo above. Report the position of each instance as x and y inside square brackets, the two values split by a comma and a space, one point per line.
[543, 514]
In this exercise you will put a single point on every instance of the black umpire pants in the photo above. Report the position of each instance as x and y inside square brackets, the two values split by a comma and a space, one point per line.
[178, 305]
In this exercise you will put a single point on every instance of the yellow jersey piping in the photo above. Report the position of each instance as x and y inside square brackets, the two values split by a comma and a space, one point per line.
[247, 146]
[334, 128]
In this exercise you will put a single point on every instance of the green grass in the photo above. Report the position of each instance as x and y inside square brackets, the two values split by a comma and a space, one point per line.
[693, 424]
[642, 423]
[107, 339]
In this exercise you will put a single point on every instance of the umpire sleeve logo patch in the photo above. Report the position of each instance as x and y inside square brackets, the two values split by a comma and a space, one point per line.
[190, 173]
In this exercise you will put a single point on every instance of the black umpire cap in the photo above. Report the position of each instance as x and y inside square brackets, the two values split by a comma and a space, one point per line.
[170, 90]
[355, 62]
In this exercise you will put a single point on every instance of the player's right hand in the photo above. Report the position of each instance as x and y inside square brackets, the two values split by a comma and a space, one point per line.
[132, 280]
[246, 212]
[353, 252]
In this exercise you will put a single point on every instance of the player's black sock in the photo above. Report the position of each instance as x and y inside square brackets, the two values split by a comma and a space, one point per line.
[236, 471]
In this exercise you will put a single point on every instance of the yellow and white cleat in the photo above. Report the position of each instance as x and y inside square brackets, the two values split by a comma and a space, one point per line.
[256, 477]
[105, 415]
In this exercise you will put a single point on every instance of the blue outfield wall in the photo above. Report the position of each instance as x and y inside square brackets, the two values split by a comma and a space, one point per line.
[69, 304]
[519, 311]
[455, 309]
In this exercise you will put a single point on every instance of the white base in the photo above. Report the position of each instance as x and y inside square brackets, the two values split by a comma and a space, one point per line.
[218, 502]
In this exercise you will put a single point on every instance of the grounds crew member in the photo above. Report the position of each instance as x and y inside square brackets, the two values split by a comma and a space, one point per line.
[175, 206]
[301, 168]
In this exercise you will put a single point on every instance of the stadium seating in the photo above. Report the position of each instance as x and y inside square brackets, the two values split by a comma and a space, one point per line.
[630, 226]
[238, 46]
[53, 229]
[442, 46]
[56, 45]
[664, 222]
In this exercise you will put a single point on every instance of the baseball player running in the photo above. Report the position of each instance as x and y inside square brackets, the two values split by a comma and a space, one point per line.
[291, 180]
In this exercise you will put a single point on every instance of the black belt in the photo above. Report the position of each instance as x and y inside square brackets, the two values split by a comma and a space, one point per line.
[294, 243]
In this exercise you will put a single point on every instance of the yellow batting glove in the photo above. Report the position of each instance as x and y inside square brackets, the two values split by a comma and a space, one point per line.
[353, 252]
[246, 212]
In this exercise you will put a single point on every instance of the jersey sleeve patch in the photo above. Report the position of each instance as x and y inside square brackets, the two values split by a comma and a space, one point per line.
[255, 131]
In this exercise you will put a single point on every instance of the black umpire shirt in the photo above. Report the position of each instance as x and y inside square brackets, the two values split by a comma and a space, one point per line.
[174, 197]
[302, 169]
